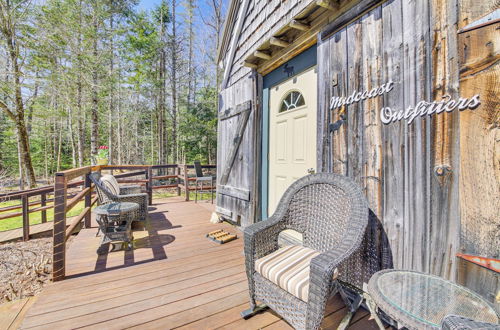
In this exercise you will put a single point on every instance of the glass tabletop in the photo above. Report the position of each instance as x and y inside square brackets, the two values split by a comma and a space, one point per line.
[116, 208]
[430, 298]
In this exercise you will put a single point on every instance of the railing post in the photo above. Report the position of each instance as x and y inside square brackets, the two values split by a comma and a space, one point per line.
[43, 202]
[149, 185]
[59, 244]
[186, 181]
[88, 200]
[177, 171]
[26, 217]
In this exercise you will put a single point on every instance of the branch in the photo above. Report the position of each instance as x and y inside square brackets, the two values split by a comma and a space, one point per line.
[7, 110]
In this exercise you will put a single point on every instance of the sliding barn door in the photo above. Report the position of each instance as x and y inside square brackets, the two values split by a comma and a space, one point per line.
[236, 152]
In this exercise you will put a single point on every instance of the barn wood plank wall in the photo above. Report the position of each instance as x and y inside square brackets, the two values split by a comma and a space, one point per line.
[396, 163]
[235, 200]
[479, 54]
[480, 142]
[445, 162]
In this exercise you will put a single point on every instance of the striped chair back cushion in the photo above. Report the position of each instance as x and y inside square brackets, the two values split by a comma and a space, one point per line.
[109, 182]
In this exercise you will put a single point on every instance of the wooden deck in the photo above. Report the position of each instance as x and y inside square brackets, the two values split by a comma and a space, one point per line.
[174, 278]
[12, 313]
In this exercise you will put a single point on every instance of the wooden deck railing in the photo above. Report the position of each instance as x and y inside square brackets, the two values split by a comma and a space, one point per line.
[61, 231]
[177, 174]
[41, 199]
[42, 195]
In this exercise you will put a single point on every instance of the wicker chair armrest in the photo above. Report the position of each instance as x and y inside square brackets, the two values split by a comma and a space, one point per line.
[322, 270]
[325, 264]
[261, 238]
[455, 322]
[133, 195]
[133, 198]
[127, 190]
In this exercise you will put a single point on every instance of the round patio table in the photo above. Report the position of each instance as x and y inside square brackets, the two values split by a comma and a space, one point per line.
[420, 301]
[115, 221]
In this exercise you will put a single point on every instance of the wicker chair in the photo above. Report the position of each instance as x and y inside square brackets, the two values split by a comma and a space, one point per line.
[454, 322]
[125, 194]
[332, 214]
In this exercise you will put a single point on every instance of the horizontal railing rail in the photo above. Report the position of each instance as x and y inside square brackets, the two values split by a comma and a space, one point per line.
[26, 206]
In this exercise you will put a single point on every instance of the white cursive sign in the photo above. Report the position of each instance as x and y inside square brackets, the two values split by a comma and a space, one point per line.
[337, 101]
[423, 108]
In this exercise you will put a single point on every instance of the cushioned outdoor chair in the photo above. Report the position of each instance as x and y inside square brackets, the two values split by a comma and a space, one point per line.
[454, 322]
[200, 180]
[296, 281]
[109, 191]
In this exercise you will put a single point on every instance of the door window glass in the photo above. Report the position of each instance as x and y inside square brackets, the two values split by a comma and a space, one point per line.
[292, 100]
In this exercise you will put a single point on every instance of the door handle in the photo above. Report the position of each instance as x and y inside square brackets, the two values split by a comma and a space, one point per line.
[311, 171]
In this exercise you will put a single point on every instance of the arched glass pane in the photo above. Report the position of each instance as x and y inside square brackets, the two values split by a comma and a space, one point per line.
[292, 100]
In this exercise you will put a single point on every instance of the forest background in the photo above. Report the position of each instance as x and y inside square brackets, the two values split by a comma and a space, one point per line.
[138, 77]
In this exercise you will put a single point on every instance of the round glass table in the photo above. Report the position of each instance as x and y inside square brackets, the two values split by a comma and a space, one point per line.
[421, 301]
[115, 220]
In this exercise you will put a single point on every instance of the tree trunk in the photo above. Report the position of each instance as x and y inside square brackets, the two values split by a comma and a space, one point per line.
[162, 130]
[30, 109]
[80, 127]
[119, 119]
[55, 144]
[94, 120]
[59, 147]
[152, 139]
[174, 50]
[72, 137]
[21, 165]
[191, 83]
[162, 81]
[45, 154]
[111, 114]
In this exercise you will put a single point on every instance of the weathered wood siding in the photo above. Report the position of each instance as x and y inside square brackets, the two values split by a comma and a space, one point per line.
[434, 183]
[479, 54]
[235, 173]
[397, 163]
[263, 19]
[480, 142]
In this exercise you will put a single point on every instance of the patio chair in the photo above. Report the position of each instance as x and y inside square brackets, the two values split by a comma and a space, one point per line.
[296, 281]
[200, 179]
[109, 191]
[455, 322]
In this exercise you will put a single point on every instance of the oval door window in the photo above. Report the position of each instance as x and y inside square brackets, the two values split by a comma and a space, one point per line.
[292, 100]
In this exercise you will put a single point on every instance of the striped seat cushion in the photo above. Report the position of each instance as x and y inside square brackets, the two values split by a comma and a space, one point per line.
[288, 267]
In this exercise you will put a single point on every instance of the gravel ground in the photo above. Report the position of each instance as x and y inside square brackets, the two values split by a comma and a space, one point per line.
[25, 268]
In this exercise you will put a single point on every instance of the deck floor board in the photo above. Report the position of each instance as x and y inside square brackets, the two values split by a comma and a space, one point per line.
[173, 278]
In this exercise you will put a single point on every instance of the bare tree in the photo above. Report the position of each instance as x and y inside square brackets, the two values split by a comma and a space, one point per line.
[191, 76]
[215, 21]
[174, 54]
